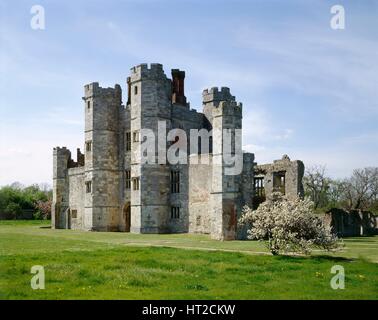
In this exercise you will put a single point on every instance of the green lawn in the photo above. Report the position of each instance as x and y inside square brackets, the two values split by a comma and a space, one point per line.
[92, 265]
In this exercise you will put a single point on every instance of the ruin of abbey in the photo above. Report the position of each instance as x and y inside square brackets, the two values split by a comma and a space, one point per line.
[110, 188]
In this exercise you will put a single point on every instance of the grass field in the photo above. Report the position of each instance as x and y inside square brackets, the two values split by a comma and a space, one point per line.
[91, 265]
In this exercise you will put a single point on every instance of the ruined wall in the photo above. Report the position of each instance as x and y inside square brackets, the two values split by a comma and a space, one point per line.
[292, 171]
[351, 223]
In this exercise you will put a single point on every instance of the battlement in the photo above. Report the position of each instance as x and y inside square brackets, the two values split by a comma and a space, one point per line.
[152, 71]
[94, 90]
[228, 108]
[64, 154]
[62, 151]
[216, 95]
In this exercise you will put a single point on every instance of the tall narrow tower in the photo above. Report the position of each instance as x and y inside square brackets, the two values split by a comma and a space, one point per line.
[224, 113]
[102, 172]
[61, 157]
[151, 93]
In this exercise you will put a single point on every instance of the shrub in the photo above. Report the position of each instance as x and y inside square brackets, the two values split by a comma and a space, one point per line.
[288, 226]
[43, 209]
[13, 210]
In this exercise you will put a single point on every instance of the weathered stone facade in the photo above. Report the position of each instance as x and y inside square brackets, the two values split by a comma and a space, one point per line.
[110, 188]
[284, 176]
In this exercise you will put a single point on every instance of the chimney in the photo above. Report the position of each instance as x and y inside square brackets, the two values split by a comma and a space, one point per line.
[178, 95]
[128, 90]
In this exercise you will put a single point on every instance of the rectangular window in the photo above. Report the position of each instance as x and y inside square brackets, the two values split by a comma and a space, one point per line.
[259, 187]
[136, 136]
[88, 146]
[135, 183]
[279, 182]
[74, 214]
[88, 105]
[128, 141]
[135, 90]
[175, 212]
[175, 181]
[127, 179]
[88, 186]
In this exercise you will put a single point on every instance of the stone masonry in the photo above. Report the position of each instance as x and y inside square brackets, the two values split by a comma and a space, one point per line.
[110, 188]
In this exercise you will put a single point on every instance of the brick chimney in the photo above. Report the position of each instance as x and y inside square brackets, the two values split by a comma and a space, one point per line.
[178, 95]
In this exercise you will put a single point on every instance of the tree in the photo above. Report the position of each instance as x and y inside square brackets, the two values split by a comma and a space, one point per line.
[316, 185]
[13, 210]
[15, 199]
[43, 209]
[288, 226]
[361, 189]
[336, 192]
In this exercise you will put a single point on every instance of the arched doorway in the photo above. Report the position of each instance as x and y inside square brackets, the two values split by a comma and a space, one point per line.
[127, 216]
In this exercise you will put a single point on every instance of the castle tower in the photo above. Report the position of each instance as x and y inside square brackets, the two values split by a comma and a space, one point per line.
[61, 158]
[226, 200]
[151, 93]
[102, 172]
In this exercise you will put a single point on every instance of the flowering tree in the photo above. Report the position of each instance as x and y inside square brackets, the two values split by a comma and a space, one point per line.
[288, 226]
[43, 209]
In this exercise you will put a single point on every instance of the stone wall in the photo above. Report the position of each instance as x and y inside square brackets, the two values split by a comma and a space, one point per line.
[291, 171]
[351, 223]
[76, 196]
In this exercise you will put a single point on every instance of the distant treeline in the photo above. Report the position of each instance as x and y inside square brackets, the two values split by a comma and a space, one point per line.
[21, 202]
[357, 192]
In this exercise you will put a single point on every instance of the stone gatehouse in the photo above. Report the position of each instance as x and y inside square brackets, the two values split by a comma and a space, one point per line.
[109, 187]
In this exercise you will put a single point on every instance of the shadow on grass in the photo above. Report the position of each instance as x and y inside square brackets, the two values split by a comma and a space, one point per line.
[45, 227]
[363, 239]
[317, 258]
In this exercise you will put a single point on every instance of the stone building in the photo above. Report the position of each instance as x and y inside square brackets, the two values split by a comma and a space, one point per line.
[110, 188]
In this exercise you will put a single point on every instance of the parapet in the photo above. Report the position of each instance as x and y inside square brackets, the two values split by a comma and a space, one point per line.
[94, 90]
[154, 71]
[283, 164]
[227, 108]
[216, 95]
[61, 151]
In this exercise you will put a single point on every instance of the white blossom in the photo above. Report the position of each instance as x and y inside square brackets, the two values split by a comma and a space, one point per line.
[288, 226]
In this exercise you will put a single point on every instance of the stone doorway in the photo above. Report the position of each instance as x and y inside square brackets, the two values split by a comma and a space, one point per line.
[69, 218]
[127, 216]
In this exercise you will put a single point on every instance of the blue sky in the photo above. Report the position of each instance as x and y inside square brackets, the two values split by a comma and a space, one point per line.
[308, 91]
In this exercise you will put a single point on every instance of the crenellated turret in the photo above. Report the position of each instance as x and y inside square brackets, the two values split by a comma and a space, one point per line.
[102, 107]
[151, 94]
[225, 115]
